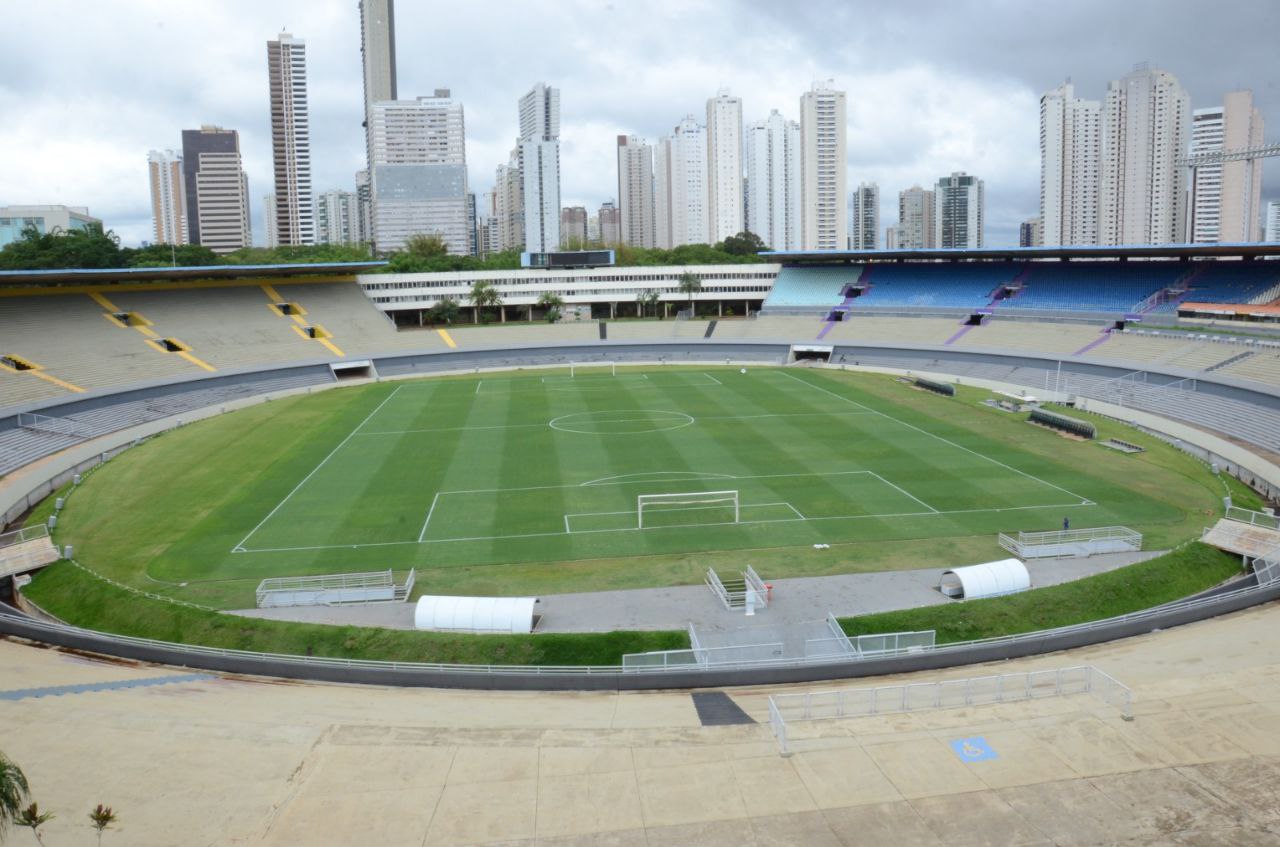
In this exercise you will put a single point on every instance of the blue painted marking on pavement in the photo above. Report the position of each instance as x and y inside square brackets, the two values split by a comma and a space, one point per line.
[973, 749]
[84, 688]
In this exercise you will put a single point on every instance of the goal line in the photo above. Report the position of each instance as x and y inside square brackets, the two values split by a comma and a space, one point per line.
[684, 500]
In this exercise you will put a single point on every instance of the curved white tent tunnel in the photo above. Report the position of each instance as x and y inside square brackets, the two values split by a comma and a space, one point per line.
[475, 614]
[990, 579]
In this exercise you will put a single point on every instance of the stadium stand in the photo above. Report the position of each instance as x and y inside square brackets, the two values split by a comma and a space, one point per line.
[962, 286]
[814, 288]
[1084, 287]
[862, 328]
[18, 387]
[356, 327]
[1260, 367]
[1228, 282]
[515, 335]
[1059, 338]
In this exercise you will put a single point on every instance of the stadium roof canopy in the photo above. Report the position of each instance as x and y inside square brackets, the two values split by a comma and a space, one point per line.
[112, 276]
[1030, 254]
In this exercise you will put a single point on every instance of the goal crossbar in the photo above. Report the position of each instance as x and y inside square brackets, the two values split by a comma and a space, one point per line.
[574, 367]
[689, 500]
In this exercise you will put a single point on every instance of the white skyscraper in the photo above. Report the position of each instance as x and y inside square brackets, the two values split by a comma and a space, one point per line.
[864, 217]
[291, 139]
[364, 207]
[168, 198]
[271, 238]
[419, 179]
[1145, 124]
[378, 58]
[539, 148]
[680, 187]
[507, 211]
[1226, 197]
[337, 218]
[959, 211]
[822, 162]
[724, 166]
[773, 181]
[917, 227]
[635, 191]
[1070, 158]
[1271, 223]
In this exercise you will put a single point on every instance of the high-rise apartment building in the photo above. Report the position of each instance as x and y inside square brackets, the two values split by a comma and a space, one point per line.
[959, 211]
[271, 237]
[1271, 223]
[291, 139]
[217, 189]
[1145, 124]
[917, 227]
[864, 217]
[364, 207]
[773, 182]
[635, 191]
[724, 167]
[680, 193]
[1070, 159]
[419, 179]
[822, 163]
[378, 58]
[1031, 233]
[338, 217]
[507, 209]
[609, 219]
[1226, 197]
[573, 226]
[891, 238]
[539, 148]
[168, 199]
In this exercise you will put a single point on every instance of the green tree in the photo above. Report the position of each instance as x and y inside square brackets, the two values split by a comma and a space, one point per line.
[168, 255]
[445, 311]
[742, 244]
[552, 303]
[648, 299]
[484, 296]
[100, 818]
[32, 818]
[13, 792]
[75, 248]
[426, 246]
[690, 284]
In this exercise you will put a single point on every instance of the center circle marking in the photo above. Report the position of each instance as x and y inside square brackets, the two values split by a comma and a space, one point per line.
[621, 421]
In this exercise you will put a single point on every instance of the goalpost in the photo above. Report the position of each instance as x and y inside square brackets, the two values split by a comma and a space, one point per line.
[687, 501]
[574, 366]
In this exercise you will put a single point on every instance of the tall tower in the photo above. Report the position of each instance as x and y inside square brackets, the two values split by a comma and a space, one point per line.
[822, 161]
[680, 187]
[539, 148]
[917, 227]
[291, 140]
[419, 178]
[1226, 197]
[864, 217]
[217, 189]
[1070, 159]
[1145, 124]
[378, 57]
[635, 192]
[168, 198]
[773, 181]
[724, 166]
[960, 211]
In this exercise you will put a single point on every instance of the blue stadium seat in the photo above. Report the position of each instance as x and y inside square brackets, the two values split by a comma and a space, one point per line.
[808, 287]
[952, 286]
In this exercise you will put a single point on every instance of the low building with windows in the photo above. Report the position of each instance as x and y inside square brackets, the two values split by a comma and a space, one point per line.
[14, 219]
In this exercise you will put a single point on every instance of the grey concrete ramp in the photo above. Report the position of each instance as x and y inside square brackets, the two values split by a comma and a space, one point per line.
[1242, 538]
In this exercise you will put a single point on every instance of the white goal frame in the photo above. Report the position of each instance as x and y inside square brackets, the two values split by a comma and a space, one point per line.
[612, 366]
[688, 498]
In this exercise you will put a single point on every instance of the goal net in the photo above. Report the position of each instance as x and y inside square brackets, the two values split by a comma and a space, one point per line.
[701, 506]
[596, 368]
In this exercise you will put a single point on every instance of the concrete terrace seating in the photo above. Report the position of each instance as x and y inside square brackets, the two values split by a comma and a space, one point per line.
[496, 336]
[20, 447]
[69, 337]
[228, 327]
[1060, 339]
[1084, 287]
[769, 327]
[1229, 282]
[879, 330]
[357, 327]
[16, 388]
[942, 286]
[1260, 367]
[812, 287]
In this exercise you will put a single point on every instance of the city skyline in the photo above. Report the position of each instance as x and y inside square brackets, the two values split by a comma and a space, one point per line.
[912, 115]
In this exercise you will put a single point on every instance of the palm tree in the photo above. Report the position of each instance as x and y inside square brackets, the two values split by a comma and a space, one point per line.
[32, 817]
[13, 791]
[102, 817]
[690, 284]
[484, 296]
[552, 303]
[647, 298]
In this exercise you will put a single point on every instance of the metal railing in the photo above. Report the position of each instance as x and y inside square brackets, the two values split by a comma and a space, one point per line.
[1253, 518]
[331, 589]
[57, 426]
[946, 694]
[23, 535]
[736, 655]
[1070, 542]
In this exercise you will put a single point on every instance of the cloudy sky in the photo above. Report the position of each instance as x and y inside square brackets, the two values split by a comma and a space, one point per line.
[86, 89]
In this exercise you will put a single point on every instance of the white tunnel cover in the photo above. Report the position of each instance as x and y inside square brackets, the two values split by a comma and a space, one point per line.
[991, 579]
[475, 614]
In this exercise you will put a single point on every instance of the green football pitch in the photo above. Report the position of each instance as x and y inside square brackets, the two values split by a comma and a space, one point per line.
[535, 470]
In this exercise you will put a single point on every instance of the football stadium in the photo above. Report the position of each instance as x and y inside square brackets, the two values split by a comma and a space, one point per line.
[911, 467]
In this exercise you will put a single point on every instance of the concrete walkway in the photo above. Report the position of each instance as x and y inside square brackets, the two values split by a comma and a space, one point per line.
[794, 601]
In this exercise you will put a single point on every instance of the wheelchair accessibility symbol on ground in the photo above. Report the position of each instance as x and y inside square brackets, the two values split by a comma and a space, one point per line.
[973, 750]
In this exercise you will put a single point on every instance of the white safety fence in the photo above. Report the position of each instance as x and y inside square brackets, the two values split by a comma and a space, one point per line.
[58, 426]
[750, 588]
[1259, 519]
[333, 589]
[1071, 542]
[946, 694]
[1267, 568]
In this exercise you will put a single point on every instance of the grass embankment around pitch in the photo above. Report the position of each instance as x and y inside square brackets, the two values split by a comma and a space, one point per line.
[74, 596]
[1180, 573]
